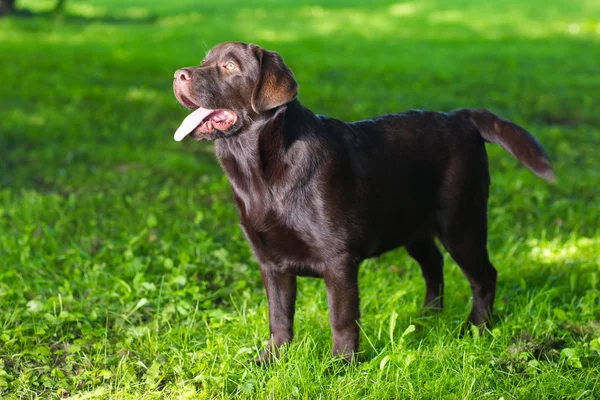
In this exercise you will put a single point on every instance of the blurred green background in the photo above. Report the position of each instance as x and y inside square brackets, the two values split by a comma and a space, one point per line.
[124, 274]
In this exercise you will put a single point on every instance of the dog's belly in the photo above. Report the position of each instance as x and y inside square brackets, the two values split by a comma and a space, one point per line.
[397, 233]
[307, 252]
[399, 209]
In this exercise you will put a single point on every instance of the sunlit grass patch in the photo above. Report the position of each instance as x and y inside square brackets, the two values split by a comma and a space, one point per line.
[559, 252]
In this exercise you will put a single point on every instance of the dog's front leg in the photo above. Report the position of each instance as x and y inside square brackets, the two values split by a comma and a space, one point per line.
[341, 279]
[281, 294]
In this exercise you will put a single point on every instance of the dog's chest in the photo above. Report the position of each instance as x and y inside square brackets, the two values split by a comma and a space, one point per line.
[286, 236]
[279, 218]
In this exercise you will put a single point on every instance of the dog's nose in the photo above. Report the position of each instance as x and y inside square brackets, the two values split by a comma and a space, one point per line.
[183, 75]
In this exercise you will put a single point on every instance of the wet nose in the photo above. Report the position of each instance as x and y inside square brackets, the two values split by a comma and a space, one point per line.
[183, 75]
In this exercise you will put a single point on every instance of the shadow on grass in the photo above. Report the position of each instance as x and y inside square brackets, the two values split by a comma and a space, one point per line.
[544, 307]
[80, 19]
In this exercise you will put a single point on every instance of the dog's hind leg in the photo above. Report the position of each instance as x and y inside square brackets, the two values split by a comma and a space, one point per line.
[463, 232]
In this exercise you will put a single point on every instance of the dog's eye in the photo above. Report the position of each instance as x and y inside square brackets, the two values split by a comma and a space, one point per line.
[230, 66]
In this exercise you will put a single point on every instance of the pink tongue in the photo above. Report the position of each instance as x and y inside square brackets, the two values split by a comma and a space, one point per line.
[191, 122]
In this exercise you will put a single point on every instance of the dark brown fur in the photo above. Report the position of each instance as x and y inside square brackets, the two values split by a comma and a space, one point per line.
[316, 195]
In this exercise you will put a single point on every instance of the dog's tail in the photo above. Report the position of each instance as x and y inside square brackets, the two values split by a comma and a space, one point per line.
[514, 139]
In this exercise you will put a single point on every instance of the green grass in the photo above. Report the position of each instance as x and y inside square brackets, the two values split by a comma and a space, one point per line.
[124, 273]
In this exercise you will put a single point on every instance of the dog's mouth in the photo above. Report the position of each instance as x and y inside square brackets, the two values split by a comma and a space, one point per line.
[204, 120]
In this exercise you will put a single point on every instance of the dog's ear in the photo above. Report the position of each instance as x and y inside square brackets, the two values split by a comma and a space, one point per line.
[275, 84]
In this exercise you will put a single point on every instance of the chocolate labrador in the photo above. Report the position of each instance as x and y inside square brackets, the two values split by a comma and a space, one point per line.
[317, 195]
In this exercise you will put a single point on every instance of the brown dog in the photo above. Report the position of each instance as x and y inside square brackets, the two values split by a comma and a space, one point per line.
[316, 195]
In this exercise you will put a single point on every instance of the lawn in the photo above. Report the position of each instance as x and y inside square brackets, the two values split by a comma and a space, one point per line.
[123, 270]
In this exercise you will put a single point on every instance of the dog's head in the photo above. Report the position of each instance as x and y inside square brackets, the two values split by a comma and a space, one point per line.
[234, 84]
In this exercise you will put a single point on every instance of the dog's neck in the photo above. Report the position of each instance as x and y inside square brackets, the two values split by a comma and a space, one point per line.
[263, 155]
[269, 143]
